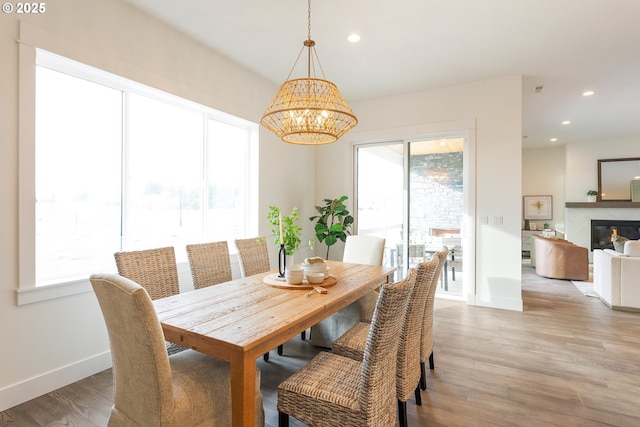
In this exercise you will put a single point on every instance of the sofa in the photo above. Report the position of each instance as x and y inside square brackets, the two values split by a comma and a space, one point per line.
[560, 259]
[616, 276]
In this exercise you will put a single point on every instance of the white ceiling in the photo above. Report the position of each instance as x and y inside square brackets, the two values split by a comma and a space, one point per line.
[567, 46]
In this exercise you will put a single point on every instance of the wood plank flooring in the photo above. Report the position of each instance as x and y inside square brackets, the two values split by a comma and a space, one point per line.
[566, 360]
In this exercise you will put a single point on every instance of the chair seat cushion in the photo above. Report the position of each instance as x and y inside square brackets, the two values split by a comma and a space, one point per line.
[327, 330]
[201, 378]
[328, 384]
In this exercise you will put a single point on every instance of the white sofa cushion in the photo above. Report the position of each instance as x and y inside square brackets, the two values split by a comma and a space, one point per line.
[616, 278]
[632, 248]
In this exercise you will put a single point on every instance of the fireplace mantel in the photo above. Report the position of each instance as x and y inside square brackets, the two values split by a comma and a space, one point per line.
[607, 205]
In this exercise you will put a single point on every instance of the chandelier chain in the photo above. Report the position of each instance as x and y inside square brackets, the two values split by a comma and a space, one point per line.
[309, 21]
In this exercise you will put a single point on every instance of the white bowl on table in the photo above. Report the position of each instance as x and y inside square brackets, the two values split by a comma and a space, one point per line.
[318, 267]
[294, 275]
[315, 277]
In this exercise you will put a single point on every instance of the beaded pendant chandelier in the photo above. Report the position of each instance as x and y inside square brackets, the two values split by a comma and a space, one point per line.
[309, 111]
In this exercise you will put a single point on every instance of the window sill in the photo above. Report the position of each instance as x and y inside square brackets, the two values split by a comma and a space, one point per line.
[44, 293]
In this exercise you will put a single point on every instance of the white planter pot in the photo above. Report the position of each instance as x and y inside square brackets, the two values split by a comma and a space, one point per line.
[591, 198]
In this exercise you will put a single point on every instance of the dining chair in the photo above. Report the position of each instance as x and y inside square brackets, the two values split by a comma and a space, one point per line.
[358, 249]
[352, 343]
[153, 269]
[156, 271]
[334, 390]
[254, 259]
[253, 256]
[150, 387]
[417, 253]
[454, 244]
[426, 339]
[210, 263]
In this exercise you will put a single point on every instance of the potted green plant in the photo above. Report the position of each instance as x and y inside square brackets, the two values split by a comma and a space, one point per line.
[333, 222]
[289, 232]
[592, 195]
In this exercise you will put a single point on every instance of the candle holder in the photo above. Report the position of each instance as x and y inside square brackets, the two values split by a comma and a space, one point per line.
[282, 261]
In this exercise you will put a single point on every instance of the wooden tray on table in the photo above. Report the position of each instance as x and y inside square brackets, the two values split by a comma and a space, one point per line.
[272, 280]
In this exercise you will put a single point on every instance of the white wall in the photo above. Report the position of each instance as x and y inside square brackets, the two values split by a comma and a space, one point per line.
[582, 163]
[50, 344]
[543, 174]
[495, 107]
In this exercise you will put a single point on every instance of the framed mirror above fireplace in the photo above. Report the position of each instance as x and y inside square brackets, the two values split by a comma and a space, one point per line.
[615, 176]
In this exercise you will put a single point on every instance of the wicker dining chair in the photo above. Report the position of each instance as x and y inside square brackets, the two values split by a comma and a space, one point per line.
[358, 249]
[426, 340]
[253, 256]
[156, 271]
[254, 259]
[153, 269]
[334, 390]
[210, 263]
[352, 343]
[151, 388]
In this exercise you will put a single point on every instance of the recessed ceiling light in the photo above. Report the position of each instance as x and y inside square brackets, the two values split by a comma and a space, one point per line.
[566, 122]
[354, 38]
[588, 93]
[553, 139]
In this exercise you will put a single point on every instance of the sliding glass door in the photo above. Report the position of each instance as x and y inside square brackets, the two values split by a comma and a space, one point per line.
[412, 193]
[380, 200]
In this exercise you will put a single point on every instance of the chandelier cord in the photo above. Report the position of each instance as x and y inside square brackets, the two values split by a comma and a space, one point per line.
[309, 20]
[309, 43]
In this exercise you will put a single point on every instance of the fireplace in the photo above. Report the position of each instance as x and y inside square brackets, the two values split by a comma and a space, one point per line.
[602, 231]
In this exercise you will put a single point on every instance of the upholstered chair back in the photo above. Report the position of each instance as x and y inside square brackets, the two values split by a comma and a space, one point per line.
[361, 249]
[141, 370]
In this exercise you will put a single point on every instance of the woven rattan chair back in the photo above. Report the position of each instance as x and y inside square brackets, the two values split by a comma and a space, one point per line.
[153, 269]
[408, 364]
[378, 382]
[210, 263]
[253, 256]
[427, 325]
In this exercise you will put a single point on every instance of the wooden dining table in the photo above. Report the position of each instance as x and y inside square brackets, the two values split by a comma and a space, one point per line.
[241, 320]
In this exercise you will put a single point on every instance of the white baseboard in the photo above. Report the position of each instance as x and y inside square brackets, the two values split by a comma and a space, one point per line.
[31, 388]
[514, 304]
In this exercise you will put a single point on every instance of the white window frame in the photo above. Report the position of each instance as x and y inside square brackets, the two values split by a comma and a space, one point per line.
[29, 57]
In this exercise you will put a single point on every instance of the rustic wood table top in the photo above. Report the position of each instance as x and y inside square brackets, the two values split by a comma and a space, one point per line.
[240, 320]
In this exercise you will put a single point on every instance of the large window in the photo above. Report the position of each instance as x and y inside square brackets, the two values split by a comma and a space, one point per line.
[120, 166]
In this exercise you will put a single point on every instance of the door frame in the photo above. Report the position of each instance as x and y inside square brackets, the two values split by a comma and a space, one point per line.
[465, 129]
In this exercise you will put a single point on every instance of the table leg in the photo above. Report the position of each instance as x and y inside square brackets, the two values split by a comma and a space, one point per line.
[243, 389]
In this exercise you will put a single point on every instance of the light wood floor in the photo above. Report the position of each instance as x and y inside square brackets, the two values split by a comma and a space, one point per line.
[566, 360]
